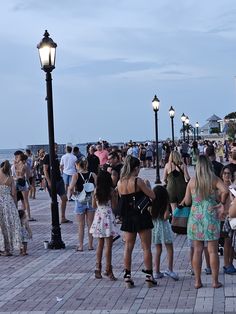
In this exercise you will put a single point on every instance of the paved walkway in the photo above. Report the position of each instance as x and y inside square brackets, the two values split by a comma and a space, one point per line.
[63, 281]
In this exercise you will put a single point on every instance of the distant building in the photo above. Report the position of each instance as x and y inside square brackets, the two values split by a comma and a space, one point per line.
[212, 126]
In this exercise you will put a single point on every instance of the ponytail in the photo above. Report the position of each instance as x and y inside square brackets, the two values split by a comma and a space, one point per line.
[130, 164]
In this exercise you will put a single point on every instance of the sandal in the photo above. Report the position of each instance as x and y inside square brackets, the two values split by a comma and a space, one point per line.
[66, 221]
[150, 281]
[4, 253]
[128, 281]
[78, 249]
[109, 273]
[98, 271]
[198, 286]
[32, 219]
[218, 285]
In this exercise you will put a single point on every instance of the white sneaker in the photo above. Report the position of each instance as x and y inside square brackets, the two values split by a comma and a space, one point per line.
[158, 275]
[172, 274]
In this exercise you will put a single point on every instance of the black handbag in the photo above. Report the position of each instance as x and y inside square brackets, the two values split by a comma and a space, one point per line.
[21, 181]
[141, 204]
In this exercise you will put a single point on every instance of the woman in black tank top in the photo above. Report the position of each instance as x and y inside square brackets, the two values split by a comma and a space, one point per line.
[134, 222]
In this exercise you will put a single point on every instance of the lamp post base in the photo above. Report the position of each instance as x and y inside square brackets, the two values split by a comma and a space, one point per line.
[56, 245]
[158, 181]
[56, 242]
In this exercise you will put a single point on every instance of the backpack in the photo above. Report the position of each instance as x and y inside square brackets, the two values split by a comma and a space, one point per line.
[88, 188]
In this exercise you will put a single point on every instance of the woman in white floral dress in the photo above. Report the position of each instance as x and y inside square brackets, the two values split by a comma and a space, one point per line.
[103, 226]
[10, 226]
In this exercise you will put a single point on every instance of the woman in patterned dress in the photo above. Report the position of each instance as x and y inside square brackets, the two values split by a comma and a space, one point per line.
[103, 226]
[10, 226]
[204, 218]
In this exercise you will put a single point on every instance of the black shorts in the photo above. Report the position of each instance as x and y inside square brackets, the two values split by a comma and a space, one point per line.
[60, 187]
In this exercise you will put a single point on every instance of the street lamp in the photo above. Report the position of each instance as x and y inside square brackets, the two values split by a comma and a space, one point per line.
[155, 106]
[47, 54]
[187, 127]
[197, 128]
[172, 114]
[183, 118]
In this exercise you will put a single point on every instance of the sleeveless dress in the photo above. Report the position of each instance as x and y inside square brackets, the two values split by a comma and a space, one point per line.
[133, 221]
[203, 222]
[10, 225]
[162, 232]
[104, 225]
[176, 186]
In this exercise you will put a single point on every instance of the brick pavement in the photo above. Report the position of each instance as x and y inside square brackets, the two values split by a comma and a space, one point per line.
[63, 281]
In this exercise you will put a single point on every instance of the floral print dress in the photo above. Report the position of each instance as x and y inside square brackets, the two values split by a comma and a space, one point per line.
[203, 222]
[104, 225]
[10, 226]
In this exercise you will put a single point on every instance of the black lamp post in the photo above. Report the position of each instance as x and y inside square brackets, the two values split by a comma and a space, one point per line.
[194, 134]
[172, 114]
[187, 127]
[183, 118]
[197, 128]
[155, 106]
[47, 54]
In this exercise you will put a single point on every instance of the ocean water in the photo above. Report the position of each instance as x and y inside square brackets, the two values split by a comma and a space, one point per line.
[8, 154]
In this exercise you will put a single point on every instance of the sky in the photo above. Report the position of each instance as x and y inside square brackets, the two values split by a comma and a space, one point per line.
[113, 56]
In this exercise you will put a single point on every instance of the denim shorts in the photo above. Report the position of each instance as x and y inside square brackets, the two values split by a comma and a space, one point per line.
[23, 187]
[67, 178]
[82, 208]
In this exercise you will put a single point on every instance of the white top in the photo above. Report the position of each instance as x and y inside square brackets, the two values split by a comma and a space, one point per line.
[68, 162]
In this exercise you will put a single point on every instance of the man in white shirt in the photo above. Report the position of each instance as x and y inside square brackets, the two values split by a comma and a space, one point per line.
[67, 165]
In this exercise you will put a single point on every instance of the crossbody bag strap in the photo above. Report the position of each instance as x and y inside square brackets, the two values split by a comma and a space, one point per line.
[135, 190]
[180, 169]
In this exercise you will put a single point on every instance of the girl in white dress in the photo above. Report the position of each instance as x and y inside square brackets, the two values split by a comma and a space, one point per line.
[103, 226]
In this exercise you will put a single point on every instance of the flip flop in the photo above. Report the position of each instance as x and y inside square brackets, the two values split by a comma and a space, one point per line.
[91, 249]
[32, 219]
[66, 221]
[5, 253]
[198, 286]
[218, 285]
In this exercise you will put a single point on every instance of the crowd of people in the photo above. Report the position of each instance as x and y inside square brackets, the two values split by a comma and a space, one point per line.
[106, 189]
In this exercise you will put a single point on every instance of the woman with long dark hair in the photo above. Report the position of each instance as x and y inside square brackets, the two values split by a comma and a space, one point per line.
[103, 226]
[130, 188]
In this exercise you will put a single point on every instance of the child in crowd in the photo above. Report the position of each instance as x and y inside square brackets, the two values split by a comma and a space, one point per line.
[103, 226]
[162, 233]
[26, 232]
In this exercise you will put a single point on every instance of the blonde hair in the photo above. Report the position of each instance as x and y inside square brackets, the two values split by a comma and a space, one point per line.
[204, 176]
[130, 163]
[175, 157]
[82, 163]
